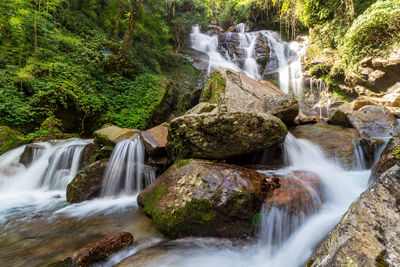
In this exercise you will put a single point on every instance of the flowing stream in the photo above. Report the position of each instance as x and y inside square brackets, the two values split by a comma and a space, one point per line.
[38, 226]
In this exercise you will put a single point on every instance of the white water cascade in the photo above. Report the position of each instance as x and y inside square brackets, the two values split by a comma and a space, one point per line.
[125, 173]
[284, 240]
[284, 57]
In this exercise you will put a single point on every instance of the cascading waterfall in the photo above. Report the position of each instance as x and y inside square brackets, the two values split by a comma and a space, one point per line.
[126, 173]
[284, 57]
[63, 167]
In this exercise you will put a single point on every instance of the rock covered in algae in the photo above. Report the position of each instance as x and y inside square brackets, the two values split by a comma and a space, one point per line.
[368, 234]
[96, 252]
[201, 198]
[87, 183]
[223, 135]
[111, 135]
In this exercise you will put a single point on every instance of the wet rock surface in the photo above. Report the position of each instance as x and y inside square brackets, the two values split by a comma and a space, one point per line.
[155, 140]
[31, 152]
[223, 135]
[387, 159]
[87, 184]
[111, 135]
[336, 142]
[89, 154]
[300, 193]
[96, 252]
[368, 234]
[200, 198]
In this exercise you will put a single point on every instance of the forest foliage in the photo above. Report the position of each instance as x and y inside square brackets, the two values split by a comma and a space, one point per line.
[90, 62]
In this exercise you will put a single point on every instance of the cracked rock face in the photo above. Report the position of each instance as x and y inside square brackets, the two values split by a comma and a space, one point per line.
[369, 233]
[201, 198]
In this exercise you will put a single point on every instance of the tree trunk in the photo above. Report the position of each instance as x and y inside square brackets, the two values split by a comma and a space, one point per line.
[116, 30]
[135, 8]
[35, 35]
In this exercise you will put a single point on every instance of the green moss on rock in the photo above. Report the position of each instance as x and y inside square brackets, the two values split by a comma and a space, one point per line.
[10, 139]
[215, 86]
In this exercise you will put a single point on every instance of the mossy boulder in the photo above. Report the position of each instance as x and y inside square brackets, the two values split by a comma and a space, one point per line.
[87, 183]
[202, 107]
[335, 141]
[89, 154]
[223, 135]
[111, 135]
[201, 198]
[10, 139]
[368, 234]
[235, 90]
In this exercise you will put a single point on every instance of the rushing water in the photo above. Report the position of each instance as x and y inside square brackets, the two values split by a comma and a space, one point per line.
[284, 57]
[125, 173]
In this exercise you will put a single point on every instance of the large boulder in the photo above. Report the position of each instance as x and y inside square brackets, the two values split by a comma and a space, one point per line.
[387, 160]
[374, 121]
[155, 140]
[96, 252]
[285, 107]
[200, 198]
[235, 90]
[341, 116]
[87, 183]
[10, 139]
[223, 135]
[202, 107]
[31, 153]
[336, 142]
[368, 234]
[300, 193]
[111, 135]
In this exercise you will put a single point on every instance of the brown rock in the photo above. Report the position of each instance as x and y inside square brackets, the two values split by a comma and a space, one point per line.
[300, 193]
[155, 140]
[98, 251]
[111, 135]
[89, 153]
[335, 141]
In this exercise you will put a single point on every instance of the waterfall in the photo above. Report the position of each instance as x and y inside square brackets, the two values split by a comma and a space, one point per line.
[284, 57]
[63, 167]
[126, 173]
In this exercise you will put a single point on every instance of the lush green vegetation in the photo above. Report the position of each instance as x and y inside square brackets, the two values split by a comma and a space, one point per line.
[90, 62]
[70, 59]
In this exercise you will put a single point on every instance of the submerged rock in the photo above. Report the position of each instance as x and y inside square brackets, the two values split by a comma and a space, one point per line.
[387, 160]
[111, 135]
[87, 184]
[96, 252]
[200, 198]
[223, 135]
[155, 140]
[368, 234]
[235, 90]
[10, 139]
[373, 121]
[336, 142]
[300, 193]
[31, 152]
